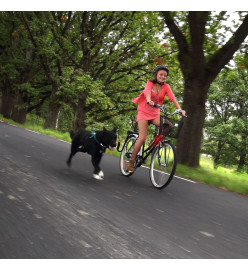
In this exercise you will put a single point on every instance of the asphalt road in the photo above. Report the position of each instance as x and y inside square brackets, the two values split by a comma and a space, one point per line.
[51, 211]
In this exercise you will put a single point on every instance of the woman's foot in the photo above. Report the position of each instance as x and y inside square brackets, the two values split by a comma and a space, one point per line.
[130, 166]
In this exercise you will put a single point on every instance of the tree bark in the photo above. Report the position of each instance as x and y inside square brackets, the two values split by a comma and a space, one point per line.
[243, 154]
[218, 153]
[19, 111]
[189, 141]
[80, 113]
[52, 115]
[53, 109]
[241, 164]
[7, 104]
[8, 100]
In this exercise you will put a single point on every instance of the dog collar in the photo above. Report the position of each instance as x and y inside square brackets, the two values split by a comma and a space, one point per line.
[93, 135]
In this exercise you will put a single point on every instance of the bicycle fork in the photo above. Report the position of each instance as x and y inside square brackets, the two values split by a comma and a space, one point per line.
[165, 154]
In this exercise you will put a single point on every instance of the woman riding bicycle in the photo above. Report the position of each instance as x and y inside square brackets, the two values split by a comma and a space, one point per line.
[154, 93]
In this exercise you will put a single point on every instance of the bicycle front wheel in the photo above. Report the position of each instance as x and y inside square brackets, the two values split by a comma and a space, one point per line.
[126, 154]
[163, 165]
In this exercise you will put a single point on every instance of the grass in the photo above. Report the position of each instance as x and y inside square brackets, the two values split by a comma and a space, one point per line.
[224, 178]
[65, 136]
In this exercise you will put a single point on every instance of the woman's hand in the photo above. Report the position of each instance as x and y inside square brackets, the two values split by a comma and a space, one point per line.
[150, 102]
[183, 112]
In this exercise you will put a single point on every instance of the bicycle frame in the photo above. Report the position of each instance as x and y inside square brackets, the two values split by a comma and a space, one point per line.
[146, 152]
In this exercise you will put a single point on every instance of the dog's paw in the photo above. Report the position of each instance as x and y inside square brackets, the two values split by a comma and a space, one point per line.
[99, 176]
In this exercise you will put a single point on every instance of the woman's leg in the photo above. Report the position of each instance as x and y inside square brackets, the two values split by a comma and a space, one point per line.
[166, 127]
[142, 138]
[156, 121]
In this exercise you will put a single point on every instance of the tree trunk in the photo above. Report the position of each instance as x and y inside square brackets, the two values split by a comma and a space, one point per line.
[217, 156]
[243, 154]
[19, 115]
[53, 109]
[189, 141]
[8, 100]
[19, 110]
[52, 116]
[241, 162]
[80, 114]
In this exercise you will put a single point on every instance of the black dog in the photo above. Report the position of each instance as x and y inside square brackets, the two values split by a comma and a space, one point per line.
[94, 143]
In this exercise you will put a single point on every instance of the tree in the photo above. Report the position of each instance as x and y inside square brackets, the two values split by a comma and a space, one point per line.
[220, 108]
[113, 50]
[51, 57]
[227, 126]
[22, 85]
[201, 58]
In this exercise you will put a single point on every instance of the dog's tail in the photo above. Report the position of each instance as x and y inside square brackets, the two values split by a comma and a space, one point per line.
[72, 134]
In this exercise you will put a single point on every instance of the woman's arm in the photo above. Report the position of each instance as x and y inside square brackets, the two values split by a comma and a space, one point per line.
[178, 107]
[148, 99]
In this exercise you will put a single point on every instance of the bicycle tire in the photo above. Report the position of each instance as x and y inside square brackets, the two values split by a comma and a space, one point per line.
[126, 154]
[163, 165]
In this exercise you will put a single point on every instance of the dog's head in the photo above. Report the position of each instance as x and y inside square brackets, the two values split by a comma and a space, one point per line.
[108, 138]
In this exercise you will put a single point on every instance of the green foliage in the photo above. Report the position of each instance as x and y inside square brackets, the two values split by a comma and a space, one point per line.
[22, 83]
[65, 119]
[227, 132]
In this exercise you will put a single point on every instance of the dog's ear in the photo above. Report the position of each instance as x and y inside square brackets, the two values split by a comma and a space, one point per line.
[104, 129]
[115, 130]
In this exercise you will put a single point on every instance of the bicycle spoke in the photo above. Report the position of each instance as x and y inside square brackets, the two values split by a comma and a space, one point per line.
[126, 154]
[163, 165]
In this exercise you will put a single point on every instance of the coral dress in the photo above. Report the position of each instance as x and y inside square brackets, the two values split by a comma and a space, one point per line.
[147, 112]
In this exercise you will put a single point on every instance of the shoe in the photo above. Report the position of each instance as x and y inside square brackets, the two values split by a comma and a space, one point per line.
[130, 166]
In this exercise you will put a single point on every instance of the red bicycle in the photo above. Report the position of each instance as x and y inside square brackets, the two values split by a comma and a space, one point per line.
[163, 154]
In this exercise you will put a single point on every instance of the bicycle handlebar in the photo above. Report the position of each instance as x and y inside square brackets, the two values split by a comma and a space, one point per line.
[162, 108]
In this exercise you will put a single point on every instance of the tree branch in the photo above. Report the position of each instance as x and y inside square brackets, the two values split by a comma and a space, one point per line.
[225, 54]
[39, 103]
[197, 25]
[116, 113]
[184, 50]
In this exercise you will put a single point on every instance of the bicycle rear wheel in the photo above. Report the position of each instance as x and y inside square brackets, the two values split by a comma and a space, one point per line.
[126, 154]
[163, 165]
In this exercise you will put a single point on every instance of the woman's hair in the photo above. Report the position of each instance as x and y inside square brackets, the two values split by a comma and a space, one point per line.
[156, 70]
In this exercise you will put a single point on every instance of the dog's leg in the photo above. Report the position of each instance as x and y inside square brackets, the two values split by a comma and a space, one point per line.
[98, 173]
[74, 150]
[68, 162]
